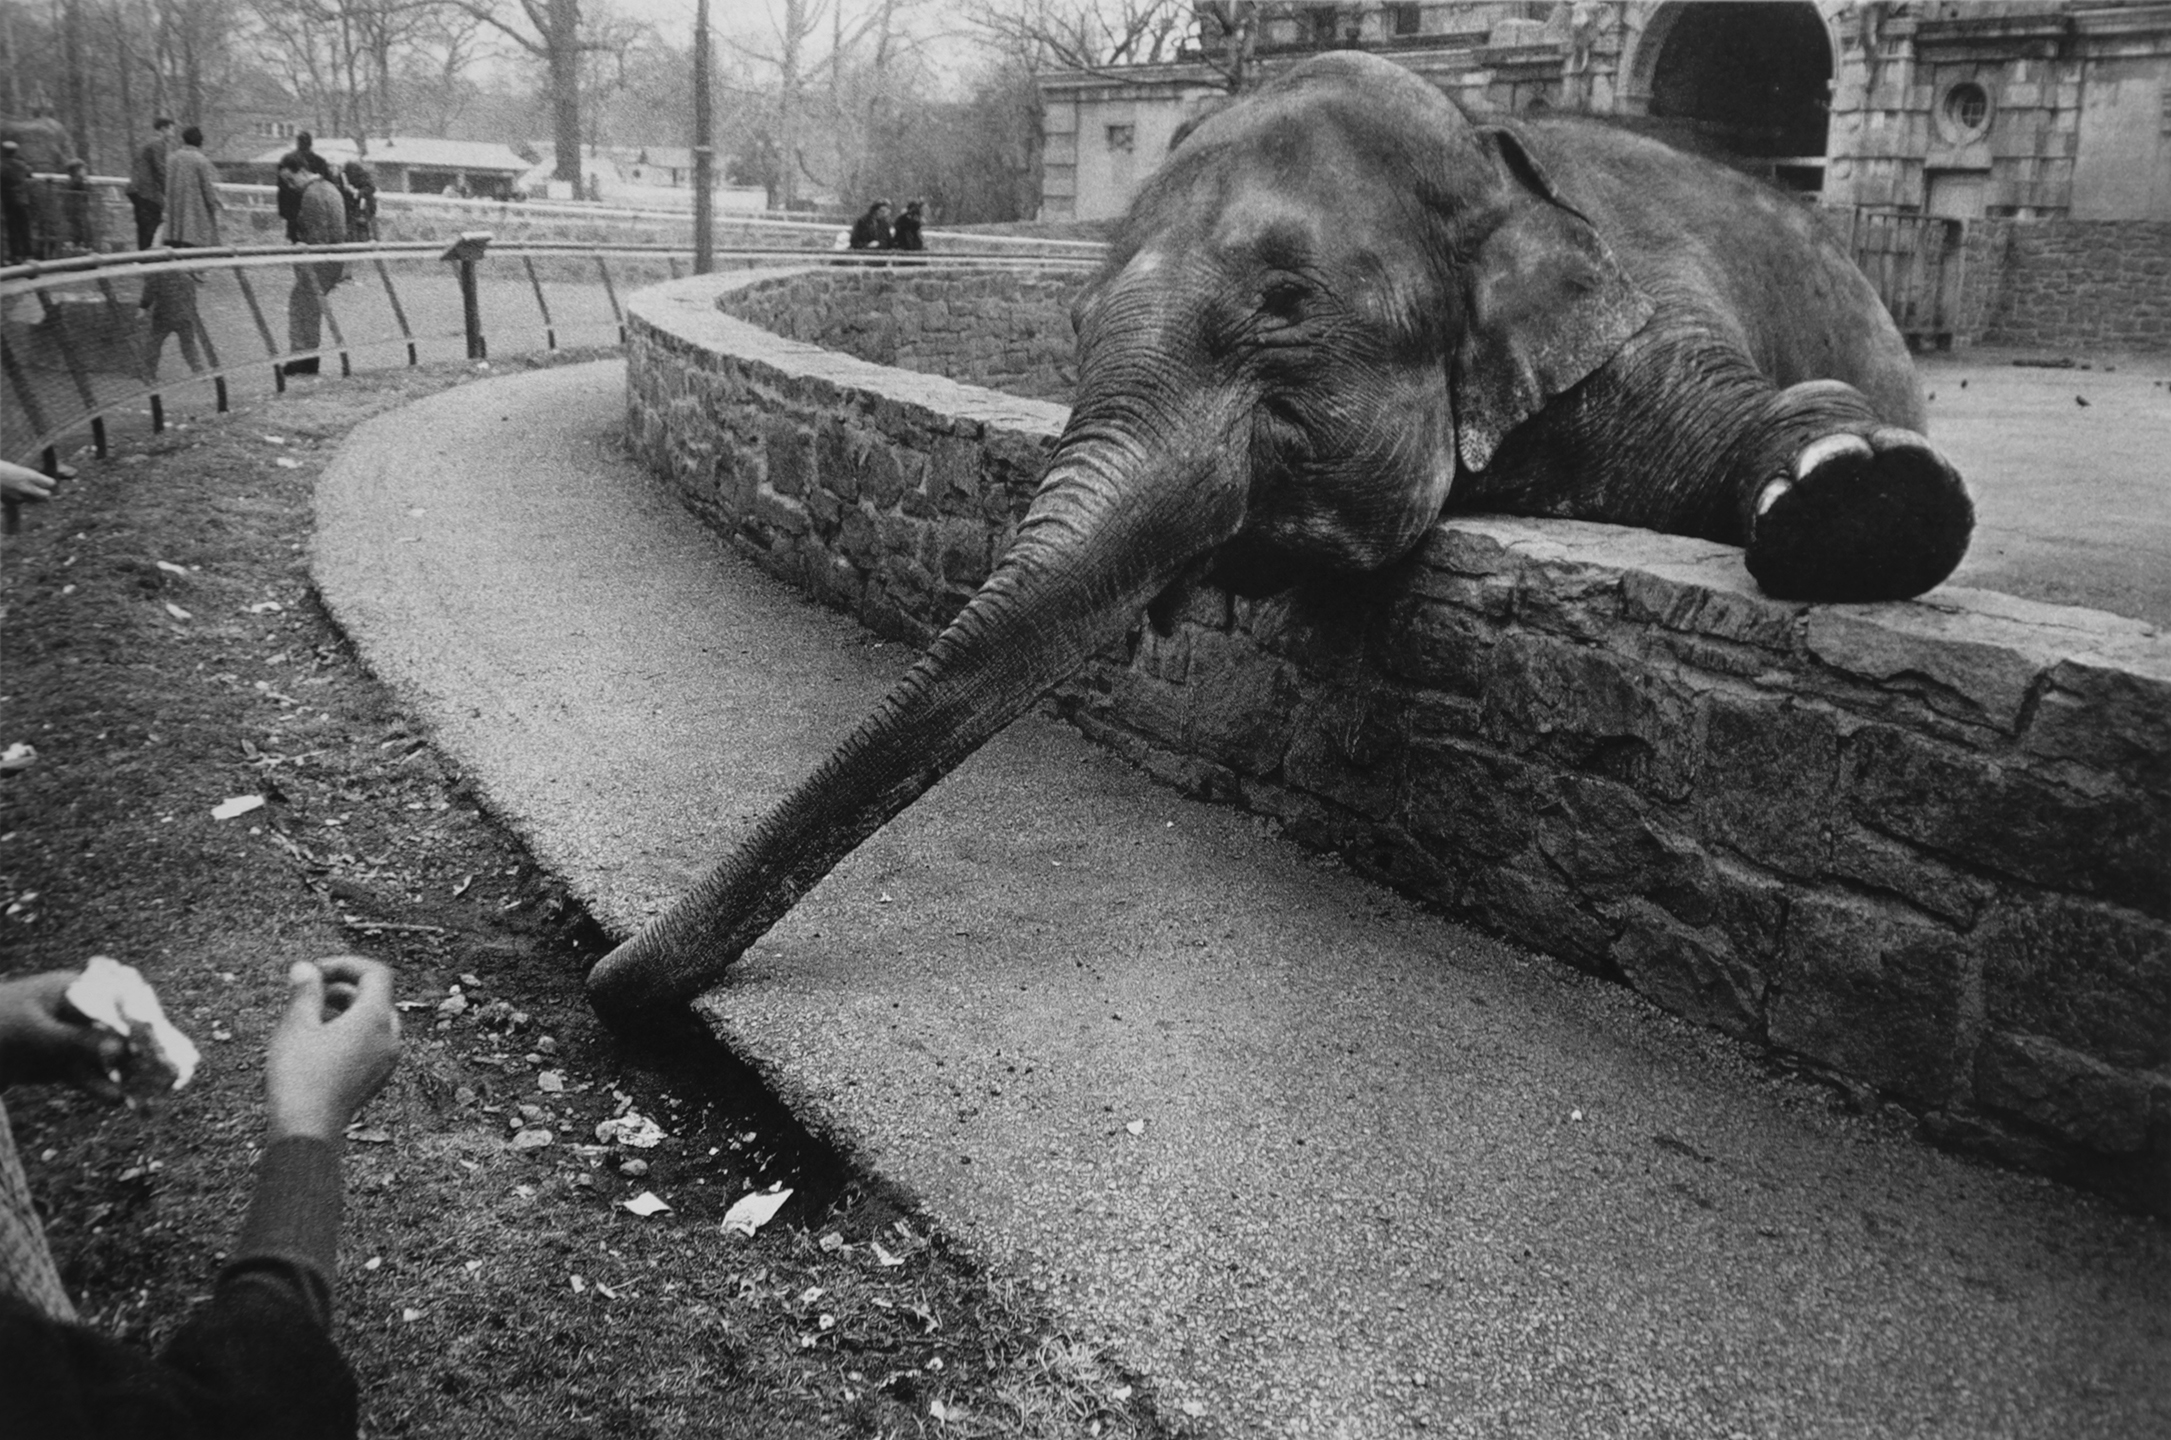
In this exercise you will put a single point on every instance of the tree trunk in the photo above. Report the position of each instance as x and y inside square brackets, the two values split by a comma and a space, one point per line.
[562, 47]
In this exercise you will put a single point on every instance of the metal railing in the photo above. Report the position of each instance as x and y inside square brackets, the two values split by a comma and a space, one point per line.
[83, 339]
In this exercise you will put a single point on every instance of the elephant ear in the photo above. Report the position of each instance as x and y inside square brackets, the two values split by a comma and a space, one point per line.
[1546, 304]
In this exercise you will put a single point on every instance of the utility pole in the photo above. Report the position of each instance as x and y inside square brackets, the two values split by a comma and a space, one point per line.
[704, 151]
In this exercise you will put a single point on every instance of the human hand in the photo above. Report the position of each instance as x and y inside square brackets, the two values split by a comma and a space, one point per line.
[337, 1044]
[45, 1040]
[20, 482]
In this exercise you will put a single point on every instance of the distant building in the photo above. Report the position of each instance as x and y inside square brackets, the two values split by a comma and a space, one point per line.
[2028, 110]
[415, 165]
[2001, 171]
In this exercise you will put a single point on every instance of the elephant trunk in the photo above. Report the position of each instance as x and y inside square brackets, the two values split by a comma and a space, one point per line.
[1108, 529]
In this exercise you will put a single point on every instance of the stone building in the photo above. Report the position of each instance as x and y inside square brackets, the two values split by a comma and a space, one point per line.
[1998, 117]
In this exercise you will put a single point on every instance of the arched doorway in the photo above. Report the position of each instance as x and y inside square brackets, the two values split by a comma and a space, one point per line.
[1747, 81]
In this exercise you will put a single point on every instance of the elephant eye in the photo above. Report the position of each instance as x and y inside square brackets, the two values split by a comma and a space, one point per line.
[1283, 300]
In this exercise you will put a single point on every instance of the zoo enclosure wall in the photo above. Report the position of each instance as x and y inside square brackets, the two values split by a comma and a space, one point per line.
[1918, 848]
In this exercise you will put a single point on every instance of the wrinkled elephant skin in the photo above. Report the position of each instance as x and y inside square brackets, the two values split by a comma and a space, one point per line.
[1339, 307]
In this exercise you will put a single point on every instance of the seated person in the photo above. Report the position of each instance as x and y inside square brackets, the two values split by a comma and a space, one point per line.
[257, 1359]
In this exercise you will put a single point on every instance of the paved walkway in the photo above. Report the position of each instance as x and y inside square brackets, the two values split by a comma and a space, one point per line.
[1311, 1161]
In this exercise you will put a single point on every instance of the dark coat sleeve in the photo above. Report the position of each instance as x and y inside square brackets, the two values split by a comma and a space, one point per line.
[256, 1362]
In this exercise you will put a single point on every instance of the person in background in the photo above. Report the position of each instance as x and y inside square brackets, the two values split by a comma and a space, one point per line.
[255, 1360]
[906, 234]
[320, 218]
[78, 221]
[871, 231]
[171, 300]
[147, 181]
[192, 194]
[361, 193]
[15, 177]
[305, 154]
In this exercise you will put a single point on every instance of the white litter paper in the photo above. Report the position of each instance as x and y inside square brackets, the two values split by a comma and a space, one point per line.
[751, 1212]
[116, 996]
[645, 1204]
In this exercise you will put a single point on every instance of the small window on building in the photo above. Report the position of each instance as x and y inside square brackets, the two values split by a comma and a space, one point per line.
[1322, 21]
[1967, 108]
[1405, 19]
[1123, 137]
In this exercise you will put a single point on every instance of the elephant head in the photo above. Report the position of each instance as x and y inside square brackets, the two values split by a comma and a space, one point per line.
[1260, 395]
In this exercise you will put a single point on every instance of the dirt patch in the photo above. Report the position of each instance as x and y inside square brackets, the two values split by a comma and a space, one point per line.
[164, 653]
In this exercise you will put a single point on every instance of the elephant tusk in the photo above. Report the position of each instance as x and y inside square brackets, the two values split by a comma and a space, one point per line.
[1823, 451]
[1771, 494]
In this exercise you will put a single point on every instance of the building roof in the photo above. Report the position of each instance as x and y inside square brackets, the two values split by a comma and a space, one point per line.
[413, 150]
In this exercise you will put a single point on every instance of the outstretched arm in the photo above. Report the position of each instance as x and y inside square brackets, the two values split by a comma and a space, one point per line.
[258, 1359]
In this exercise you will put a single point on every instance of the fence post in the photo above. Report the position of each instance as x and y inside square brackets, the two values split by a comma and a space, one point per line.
[464, 252]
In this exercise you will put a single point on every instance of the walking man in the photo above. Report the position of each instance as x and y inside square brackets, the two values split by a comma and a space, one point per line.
[320, 218]
[192, 194]
[15, 177]
[147, 181]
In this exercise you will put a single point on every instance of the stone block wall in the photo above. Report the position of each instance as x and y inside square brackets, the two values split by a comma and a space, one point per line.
[2082, 284]
[1001, 329]
[1924, 848]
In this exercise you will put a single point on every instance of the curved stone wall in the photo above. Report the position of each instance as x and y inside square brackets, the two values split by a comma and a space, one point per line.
[1925, 848]
[1005, 330]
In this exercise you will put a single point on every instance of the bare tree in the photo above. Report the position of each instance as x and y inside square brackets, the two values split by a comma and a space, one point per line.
[1097, 36]
[553, 32]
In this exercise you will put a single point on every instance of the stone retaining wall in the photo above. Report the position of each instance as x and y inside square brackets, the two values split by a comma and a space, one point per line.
[1921, 847]
[1004, 330]
[2079, 284]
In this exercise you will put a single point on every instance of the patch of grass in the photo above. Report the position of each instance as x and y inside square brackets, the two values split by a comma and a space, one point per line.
[164, 652]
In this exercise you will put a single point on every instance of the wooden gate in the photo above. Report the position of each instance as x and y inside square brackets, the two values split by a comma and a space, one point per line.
[1914, 261]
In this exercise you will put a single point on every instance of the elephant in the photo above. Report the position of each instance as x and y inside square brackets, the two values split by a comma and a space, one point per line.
[1339, 307]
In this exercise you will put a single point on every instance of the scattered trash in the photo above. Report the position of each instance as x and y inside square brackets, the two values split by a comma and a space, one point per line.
[883, 1257]
[1575, 1114]
[266, 607]
[238, 805]
[455, 1004]
[285, 464]
[177, 612]
[552, 1081]
[275, 439]
[645, 1204]
[172, 569]
[831, 1243]
[371, 1136]
[373, 1262]
[17, 758]
[631, 1129]
[750, 1212]
[534, 1139]
[579, 1284]
[950, 1414]
[1193, 1408]
[634, 1168]
[410, 1315]
[1136, 1127]
[462, 888]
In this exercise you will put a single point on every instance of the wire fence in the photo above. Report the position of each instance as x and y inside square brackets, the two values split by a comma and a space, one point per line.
[92, 338]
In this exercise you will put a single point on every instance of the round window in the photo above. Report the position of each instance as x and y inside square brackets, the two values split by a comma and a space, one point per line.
[1967, 107]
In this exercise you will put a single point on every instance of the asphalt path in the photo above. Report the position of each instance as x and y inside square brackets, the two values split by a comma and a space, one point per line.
[1308, 1159]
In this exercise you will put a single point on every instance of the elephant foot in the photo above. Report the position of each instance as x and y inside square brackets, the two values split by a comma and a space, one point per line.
[1869, 517]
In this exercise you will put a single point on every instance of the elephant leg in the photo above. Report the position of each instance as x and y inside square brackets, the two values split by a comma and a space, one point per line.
[1681, 433]
[1850, 508]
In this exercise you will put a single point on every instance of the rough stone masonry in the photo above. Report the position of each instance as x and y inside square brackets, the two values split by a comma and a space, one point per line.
[1925, 847]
